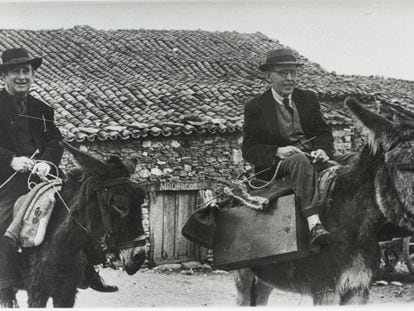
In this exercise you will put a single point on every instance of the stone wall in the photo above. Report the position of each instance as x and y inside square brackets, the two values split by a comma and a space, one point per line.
[169, 159]
[342, 139]
[189, 158]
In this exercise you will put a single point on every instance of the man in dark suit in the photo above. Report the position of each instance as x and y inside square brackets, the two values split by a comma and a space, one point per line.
[27, 133]
[277, 125]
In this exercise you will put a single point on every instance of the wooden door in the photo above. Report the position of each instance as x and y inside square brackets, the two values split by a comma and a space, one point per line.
[169, 210]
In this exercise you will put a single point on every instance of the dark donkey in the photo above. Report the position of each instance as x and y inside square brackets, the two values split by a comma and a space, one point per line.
[378, 184]
[101, 203]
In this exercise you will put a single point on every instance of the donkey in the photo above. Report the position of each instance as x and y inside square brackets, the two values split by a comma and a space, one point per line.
[378, 185]
[98, 202]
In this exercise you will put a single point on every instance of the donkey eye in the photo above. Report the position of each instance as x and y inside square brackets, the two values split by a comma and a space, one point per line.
[119, 203]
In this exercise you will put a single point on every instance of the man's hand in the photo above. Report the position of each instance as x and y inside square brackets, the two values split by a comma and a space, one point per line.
[319, 156]
[22, 164]
[41, 169]
[284, 152]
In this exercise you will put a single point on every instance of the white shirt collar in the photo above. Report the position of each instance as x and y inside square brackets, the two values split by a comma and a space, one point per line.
[279, 98]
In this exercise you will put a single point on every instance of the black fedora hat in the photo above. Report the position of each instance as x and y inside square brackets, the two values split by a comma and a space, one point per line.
[279, 57]
[13, 57]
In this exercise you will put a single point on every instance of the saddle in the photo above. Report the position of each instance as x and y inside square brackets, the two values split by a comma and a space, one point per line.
[32, 212]
[200, 227]
[252, 195]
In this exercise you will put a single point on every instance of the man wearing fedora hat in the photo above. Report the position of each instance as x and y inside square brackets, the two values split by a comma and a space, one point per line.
[27, 133]
[284, 133]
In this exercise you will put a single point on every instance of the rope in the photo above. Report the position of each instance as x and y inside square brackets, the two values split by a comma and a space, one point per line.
[266, 183]
[36, 118]
[213, 198]
[32, 184]
[276, 171]
[14, 174]
[65, 205]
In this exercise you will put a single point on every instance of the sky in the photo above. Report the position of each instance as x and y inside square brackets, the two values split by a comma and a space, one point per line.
[365, 37]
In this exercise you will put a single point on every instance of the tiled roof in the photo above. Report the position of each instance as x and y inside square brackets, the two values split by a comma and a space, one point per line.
[135, 83]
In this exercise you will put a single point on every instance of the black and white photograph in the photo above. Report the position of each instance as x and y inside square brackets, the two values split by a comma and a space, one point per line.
[219, 153]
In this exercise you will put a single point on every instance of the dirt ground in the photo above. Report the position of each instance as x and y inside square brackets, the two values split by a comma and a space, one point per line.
[149, 288]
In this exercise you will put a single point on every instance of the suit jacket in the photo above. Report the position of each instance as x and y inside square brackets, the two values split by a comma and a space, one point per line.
[45, 135]
[260, 130]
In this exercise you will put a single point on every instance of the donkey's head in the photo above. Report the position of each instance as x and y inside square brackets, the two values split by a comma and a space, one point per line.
[108, 202]
[394, 180]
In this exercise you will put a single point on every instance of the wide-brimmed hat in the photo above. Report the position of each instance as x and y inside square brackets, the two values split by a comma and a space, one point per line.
[279, 57]
[13, 57]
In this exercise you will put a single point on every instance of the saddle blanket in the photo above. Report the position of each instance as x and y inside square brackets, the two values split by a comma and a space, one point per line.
[246, 237]
[32, 212]
[259, 234]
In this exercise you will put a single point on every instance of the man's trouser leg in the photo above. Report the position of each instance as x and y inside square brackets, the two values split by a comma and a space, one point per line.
[303, 180]
[92, 279]
[7, 253]
[8, 196]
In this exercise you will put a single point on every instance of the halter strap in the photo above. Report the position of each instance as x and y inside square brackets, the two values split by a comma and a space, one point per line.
[115, 182]
[138, 241]
[103, 204]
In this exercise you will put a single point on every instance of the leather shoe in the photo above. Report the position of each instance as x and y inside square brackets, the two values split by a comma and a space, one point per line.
[319, 236]
[97, 283]
[93, 280]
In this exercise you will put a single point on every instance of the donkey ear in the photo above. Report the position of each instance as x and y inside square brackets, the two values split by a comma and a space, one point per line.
[88, 163]
[130, 165]
[376, 125]
[369, 119]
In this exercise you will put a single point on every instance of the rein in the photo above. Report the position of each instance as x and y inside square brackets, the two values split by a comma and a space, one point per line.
[265, 183]
[105, 214]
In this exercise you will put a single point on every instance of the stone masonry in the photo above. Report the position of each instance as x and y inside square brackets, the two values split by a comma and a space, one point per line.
[186, 158]
[175, 159]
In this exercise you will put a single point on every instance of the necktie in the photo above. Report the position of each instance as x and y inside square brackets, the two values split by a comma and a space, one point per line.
[21, 106]
[286, 105]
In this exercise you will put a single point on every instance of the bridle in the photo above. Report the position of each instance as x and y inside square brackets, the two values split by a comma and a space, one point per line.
[108, 242]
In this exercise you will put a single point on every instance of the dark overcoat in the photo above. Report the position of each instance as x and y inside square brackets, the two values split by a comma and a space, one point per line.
[261, 136]
[45, 135]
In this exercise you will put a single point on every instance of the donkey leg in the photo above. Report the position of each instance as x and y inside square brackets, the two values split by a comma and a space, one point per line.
[354, 281]
[36, 298]
[243, 279]
[8, 298]
[262, 292]
[250, 290]
[65, 295]
[355, 296]
[326, 297]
